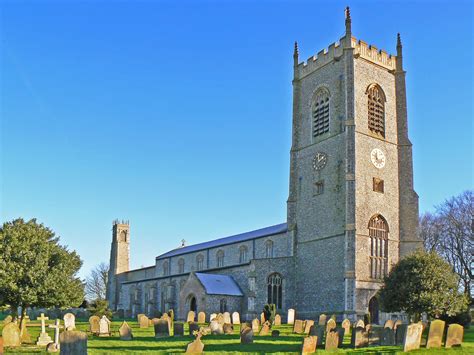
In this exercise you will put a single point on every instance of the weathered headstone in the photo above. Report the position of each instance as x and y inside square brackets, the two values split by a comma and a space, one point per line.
[291, 316]
[191, 316]
[455, 335]
[73, 342]
[298, 327]
[43, 338]
[435, 335]
[275, 333]
[388, 337]
[144, 321]
[227, 318]
[246, 336]
[94, 324]
[245, 325]
[332, 340]
[11, 335]
[388, 324]
[256, 326]
[125, 331]
[167, 318]
[69, 321]
[266, 327]
[346, 324]
[397, 323]
[307, 325]
[236, 318]
[24, 334]
[212, 316]
[162, 328]
[195, 347]
[400, 333]
[412, 339]
[8, 319]
[322, 319]
[318, 331]
[309, 344]
[359, 338]
[178, 329]
[228, 328]
[217, 328]
[375, 335]
[139, 315]
[330, 325]
[277, 320]
[104, 327]
[201, 317]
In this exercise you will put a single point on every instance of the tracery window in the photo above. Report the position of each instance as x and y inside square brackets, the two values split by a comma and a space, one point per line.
[274, 290]
[378, 234]
[321, 112]
[269, 249]
[376, 109]
[243, 254]
[200, 262]
[220, 258]
[181, 265]
[166, 268]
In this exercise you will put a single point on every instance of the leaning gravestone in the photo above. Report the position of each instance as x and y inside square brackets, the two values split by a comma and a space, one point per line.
[73, 342]
[94, 324]
[277, 320]
[178, 329]
[227, 318]
[228, 328]
[104, 327]
[412, 339]
[322, 319]
[265, 328]
[435, 335]
[236, 318]
[332, 340]
[144, 321]
[43, 338]
[246, 336]
[255, 326]
[330, 325]
[455, 335]
[191, 316]
[216, 327]
[309, 344]
[193, 327]
[400, 333]
[162, 329]
[360, 338]
[201, 317]
[307, 325]
[388, 337]
[291, 316]
[125, 331]
[298, 327]
[69, 321]
[346, 324]
[318, 331]
[388, 324]
[11, 335]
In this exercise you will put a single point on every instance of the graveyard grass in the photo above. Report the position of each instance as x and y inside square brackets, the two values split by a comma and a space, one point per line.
[145, 342]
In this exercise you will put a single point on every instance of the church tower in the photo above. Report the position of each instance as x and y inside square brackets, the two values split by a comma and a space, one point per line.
[352, 210]
[119, 260]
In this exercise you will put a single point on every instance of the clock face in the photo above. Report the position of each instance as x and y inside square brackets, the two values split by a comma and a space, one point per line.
[319, 161]
[378, 158]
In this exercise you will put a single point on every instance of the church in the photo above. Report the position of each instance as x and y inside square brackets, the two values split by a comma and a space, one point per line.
[352, 212]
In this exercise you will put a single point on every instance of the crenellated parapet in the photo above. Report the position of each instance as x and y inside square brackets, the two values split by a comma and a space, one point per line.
[372, 54]
[325, 56]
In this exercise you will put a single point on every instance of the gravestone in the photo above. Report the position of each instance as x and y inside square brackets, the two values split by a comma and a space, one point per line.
[277, 320]
[435, 335]
[213, 315]
[104, 327]
[412, 339]
[307, 325]
[388, 324]
[193, 327]
[275, 333]
[396, 324]
[322, 319]
[332, 340]
[309, 344]
[24, 334]
[94, 324]
[8, 319]
[255, 326]
[228, 328]
[162, 328]
[341, 332]
[298, 327]
[167, 318]
[388, 337]
[359, 324]
[201, 317]
[262, 318]
[73, 342]
[400, 333]
[178, 329]
[43, 338]
[11, 335]
[191, 316]
[245, 325]
[139, 315]
[454, 335]
[330, 325]
[125, 331]
[291, 316]
[220, 318]
[266, 327]
[53, 347]
[217, 328]
[69, 321]
[359, 338]
[236, 318]
[375, 335]
[195, 347]
[144, 321]
[346, 324]
[227, 318]
[318, 331]
[246, 336]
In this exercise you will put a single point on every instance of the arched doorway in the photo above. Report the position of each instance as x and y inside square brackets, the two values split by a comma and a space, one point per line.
[374, 310]
[192, 304]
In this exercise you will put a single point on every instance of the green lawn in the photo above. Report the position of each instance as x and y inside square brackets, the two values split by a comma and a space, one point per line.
[144, 342]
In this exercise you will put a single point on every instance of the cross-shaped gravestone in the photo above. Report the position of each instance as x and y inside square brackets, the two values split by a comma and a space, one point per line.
[43, 320]
[44, 338]
[53, 347]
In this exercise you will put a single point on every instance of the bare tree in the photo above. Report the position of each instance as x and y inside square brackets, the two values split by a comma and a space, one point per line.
[96, 282]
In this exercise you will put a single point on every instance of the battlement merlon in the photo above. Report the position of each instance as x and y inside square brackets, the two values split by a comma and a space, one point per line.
[335, 51]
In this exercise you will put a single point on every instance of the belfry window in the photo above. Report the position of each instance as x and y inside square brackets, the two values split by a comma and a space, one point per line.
[269, 249]
[378, 234]
[243, 254]
[376, 110]
[274, 290]
[200, 262]
[220, 258]
[321, 112]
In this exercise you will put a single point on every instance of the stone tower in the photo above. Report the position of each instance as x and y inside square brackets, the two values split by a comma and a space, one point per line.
[352, 210]
[119, 259]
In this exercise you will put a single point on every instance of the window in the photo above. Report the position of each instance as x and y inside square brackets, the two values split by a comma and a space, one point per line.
[274, 290]
[181, 265]
[123, 236]
[318, 188]
[269, 249]
[321, 112]
[166, 268]
[243, 254]
[376, 109]
[223, 305]
[378, 234]
[378, 185]
[220, 258]
[200, 262]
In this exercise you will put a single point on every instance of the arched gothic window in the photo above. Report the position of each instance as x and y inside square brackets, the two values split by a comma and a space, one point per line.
[376, 109]
[123, 236]
[243, 254]
[269, 249]
[200, 262]
[181, 265]
[220, 258]
[166, 268]
[274, 290]
[320, 112]
[378, 233]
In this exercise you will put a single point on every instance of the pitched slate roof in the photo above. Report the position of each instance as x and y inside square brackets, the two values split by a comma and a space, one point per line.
[219, 284]
[264, 232]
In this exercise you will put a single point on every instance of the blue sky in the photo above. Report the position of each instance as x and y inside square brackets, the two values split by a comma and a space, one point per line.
[177, 115]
